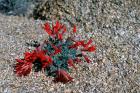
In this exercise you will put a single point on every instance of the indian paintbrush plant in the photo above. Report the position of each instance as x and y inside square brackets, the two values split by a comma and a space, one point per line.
[55, 56]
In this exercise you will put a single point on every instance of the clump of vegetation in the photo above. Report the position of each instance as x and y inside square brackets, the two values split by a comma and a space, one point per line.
[56, 55]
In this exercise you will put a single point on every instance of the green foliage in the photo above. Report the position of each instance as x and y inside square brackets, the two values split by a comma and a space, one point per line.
[59, 60]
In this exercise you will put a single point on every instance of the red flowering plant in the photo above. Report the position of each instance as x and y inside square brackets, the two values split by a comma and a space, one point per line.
[56, 55]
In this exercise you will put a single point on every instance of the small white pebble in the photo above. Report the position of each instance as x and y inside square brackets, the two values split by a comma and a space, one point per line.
[138, 35]
[12, 54]
[7, 90]
[122, 33]
[51, 89]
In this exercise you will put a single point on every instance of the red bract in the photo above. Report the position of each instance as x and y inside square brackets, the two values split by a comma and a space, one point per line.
[47, 28]
[63, 76]
[44, 59]
[64, 30]
[71, 63]
[19, 60]
[73, 46]
[60, 37]
[56, 52]
[89, 49]
[57, 27]
[57, 49]
[46, 62]
[78, 43]
[88, 43]
[29, 57]
[41, 55]
[55, 32]
[23, 68]
[86, 58]
[77, 60]
[74, 29]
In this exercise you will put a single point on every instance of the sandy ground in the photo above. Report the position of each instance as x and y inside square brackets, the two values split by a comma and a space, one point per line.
[115, 67]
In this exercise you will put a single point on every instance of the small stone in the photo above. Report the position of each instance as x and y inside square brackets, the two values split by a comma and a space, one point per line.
[7, 90]
[122, 33]
[51, 89]
[138, 35]
[12, 54]
[67, 91]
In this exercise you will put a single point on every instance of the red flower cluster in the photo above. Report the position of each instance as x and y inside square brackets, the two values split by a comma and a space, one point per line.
[24, 66]
[46, 57]
[63, 76]
[57, 30]
[55, 33]
[86, 46]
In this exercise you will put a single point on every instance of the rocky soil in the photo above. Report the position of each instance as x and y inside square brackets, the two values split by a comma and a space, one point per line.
[113, 24]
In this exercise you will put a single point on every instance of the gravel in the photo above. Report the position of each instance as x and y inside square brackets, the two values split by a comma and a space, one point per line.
[115, 28]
